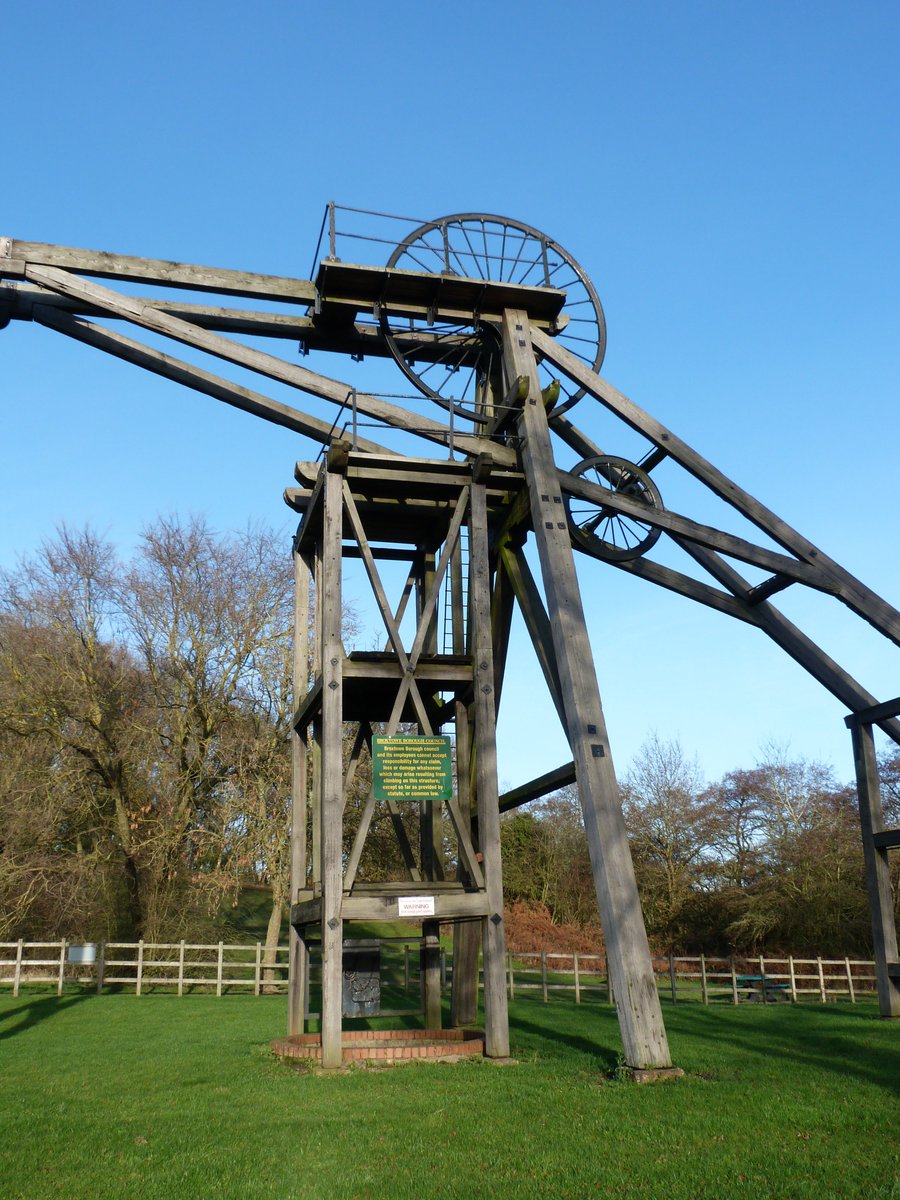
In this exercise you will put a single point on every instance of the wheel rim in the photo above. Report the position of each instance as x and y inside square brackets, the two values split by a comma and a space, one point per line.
[463, 359]
[602, 531]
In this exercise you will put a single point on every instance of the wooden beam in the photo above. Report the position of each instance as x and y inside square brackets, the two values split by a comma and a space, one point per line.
[257, 360]
[159, 271]
[876, 713]
[496, 1021]
[878, 875]
[793, 640]
[195, 378]
[851, 591]
[525, 793]
[517, 571]
[297, 950]
[332, 785]
[687, 586]
[628, 952]
[693, 531]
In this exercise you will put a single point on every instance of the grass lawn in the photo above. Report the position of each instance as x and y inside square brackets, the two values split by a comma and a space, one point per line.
[116, 1095]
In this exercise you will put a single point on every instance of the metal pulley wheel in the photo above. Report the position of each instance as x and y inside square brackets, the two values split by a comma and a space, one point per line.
[601, 530]
[463, 358]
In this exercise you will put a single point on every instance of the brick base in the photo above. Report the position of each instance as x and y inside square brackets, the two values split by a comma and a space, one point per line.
[385, 1045]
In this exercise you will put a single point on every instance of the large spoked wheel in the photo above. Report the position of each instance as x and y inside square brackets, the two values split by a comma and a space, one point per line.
[602, 531]
[455, 363]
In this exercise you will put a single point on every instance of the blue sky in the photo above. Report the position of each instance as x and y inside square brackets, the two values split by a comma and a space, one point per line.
[727, 175]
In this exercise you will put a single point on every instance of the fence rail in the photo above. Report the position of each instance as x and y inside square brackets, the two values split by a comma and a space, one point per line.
[184, 967]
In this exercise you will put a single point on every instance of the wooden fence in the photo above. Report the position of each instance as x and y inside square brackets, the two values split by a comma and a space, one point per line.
[185, 967]
[682, 978]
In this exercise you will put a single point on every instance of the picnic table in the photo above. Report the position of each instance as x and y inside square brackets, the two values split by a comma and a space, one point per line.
[762, 988]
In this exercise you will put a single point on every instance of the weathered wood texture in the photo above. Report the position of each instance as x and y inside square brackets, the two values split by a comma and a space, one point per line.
[298, 958]
[496, 1022]
[332, 783]
[878, 878]
[640, 1016]
[861, 599]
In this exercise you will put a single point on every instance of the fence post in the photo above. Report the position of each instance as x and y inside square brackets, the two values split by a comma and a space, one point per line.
[850, 981]
[181, 968]
[219, 971]
[18, 975]
[62, 967]
[793, 979]
[101, 967]
[734, 994]
[762, 980]
[140, 968]
[577, 981]
[704, 988]
[257, 977]
[544, 974]
[824, 994]
[443, 971]
[672, 976]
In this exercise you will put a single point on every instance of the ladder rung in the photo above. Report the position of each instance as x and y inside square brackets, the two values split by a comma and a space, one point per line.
[886, 838]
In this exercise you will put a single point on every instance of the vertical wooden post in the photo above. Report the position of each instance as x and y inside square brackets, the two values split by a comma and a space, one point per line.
[544, 975]
[17, 977]
[822, 992]
[762, 977]
[138, 983]
[466, 934]
[577, 981]
[672, 978]
[443, 971]
[101, 967]
[628, 952]
[431, 974]
[878, 880]
[181, 968]
[704, 989]
[219, 970]
[850, 980]
[257, 984]
[297, 955]
[793, 979]
[496, 1018]
[734, 991]
[62, 967]
[332, 782]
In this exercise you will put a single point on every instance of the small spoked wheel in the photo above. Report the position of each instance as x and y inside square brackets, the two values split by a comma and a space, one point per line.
[601, 530]
[455, 363]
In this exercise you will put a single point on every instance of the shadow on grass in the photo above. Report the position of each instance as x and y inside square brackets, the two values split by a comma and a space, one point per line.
[569, 1027]
[805, 1035]
[824, 1039]
[33, 1012]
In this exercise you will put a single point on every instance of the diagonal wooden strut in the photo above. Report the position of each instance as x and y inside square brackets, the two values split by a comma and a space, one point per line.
[154, 319]
[851, 591]
[640, 1015]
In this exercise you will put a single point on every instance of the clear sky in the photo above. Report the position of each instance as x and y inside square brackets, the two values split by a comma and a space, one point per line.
[727, 175]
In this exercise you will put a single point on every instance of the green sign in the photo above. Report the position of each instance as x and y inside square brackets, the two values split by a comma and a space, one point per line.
[412, 768]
